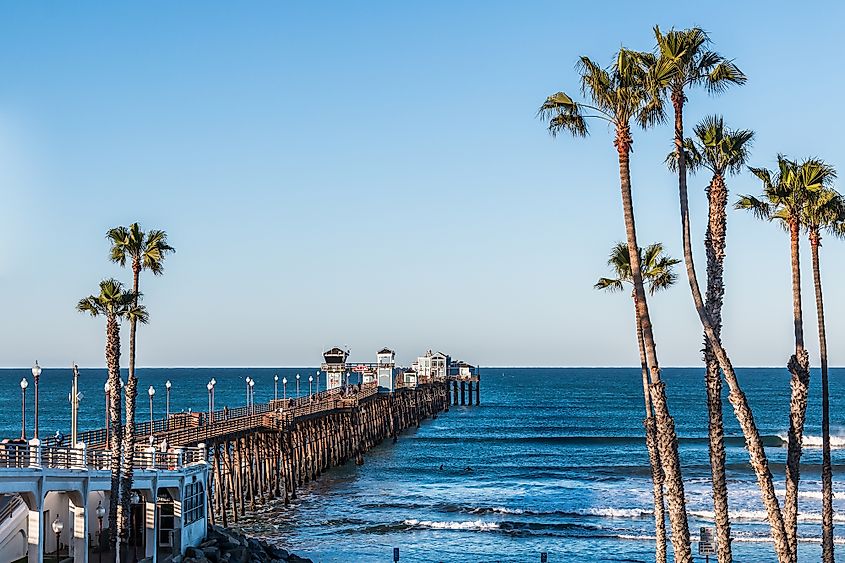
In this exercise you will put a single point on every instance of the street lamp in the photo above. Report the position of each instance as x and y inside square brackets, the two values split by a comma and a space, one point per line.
[36, 374]
[318, 381]
[297, 385]
[151, 392]
[276, 387]
[252, 396]
[24, 385]
[58, 526]
[247, 392]
[209, 386]
[107, 388]
[347, 379]
[167, 386]
[75, 397]
[213, 385]
[101, 512]
[284, 388]
[310, 381]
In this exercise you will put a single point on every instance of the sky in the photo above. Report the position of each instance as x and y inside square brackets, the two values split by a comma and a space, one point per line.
[374, 174]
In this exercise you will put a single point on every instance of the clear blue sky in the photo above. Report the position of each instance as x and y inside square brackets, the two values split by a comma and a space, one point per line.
[371, 174]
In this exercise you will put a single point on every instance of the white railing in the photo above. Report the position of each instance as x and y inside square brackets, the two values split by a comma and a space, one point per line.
[20, 455]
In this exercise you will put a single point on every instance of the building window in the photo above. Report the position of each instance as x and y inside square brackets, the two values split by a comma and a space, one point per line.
[193, 503]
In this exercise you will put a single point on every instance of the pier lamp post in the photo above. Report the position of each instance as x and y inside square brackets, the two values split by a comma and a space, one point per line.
[247, 393]
[107, 388]
[310, 382]
[251, 396]
[210, 388]
[276, 387]
[57, 526]
[151, 392]
[347, 379]
[36, 374]
[24, 385]
[167, 386]
[297, 385]
[318, 381]
[101, 512]
[213, 385]
[284, 388]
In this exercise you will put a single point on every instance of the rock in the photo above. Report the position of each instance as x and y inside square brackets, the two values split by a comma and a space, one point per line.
[193, 553]
[297, 559]
[278, 553]
[208, 543]
[176, 559]
[212, 553]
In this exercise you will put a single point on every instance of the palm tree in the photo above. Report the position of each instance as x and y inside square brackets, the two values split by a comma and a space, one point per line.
[824, 211]
[115, 303]
[617, 95]
[684, 60]
[658, 273]
[145, 252]
[721, 151]
[785, 194]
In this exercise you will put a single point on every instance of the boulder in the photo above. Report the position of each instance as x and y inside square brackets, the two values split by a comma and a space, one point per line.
[212, 553]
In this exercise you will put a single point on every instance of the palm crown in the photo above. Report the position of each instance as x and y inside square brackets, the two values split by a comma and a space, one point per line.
[825, 210]
[657, 268]
[617, 95]
[687, 61]
[787, 190]
[113, 300]
[716, 147]
[147, 250]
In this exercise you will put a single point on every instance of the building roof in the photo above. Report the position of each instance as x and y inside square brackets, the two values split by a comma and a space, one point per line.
[386, 351]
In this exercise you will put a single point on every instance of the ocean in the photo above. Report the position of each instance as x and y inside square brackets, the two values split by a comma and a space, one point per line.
[553, 460]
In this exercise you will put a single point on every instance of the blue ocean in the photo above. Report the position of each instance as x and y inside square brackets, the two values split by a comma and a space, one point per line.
[553, 460]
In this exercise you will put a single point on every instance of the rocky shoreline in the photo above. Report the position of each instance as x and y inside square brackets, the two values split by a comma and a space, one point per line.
[223, 545]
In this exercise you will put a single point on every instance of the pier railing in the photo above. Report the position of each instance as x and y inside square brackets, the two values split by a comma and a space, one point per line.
[19, 455]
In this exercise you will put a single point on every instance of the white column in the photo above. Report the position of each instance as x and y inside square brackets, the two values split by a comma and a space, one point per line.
[34, 535]
[79, 540]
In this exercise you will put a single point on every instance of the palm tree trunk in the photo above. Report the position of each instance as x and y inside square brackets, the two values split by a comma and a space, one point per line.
[756, 451]
[827, 472]
[127, 470]
[653, 455]
[113, 364]
[667, 440]
[799, 367]
[717, 196]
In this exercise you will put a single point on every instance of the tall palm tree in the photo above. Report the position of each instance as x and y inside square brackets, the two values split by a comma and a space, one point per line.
[785, 194]
[684, 60]
[145, 251]
[617, 95]
[658, 273]
[116, 304]
[824, 211]
[722, 151]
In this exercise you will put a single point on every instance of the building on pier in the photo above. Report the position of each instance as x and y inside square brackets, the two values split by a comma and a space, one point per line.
[432, 366]
[386, 368]
[335, 367]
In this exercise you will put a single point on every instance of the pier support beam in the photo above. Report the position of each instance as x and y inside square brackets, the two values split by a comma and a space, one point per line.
[469, 385]
[463, 393]
[478, 391]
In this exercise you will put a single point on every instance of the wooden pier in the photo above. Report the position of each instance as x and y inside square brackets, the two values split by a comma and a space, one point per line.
[266, 451]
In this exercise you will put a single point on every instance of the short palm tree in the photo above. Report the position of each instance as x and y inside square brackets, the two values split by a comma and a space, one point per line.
[144, 251]
[658, 273]
[616, 96]
[722, 151]
[785, 195]
[824, 212]
[115, 303]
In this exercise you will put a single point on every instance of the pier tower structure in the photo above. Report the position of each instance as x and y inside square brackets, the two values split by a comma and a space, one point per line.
[386, 368]
[335, 367]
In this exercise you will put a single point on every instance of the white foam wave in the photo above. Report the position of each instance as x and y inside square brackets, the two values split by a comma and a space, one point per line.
[836, 442]
[498, 510]
[616, 512]
[478, 525]
[761, 515]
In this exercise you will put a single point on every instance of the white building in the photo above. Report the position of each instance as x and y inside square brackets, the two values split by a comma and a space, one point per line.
[335, 367]
[431, 366]
[386, 368]
[52, 497]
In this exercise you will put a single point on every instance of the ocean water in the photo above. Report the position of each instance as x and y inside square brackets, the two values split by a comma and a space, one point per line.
[556, 456]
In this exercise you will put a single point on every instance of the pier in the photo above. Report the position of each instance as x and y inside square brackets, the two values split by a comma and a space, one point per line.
[212, 467]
